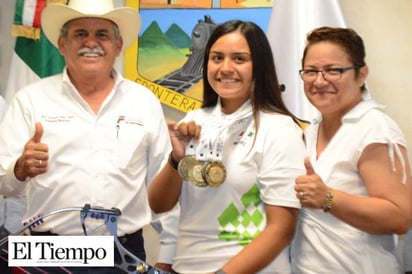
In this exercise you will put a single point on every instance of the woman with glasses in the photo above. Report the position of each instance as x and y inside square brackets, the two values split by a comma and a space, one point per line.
[356, 195]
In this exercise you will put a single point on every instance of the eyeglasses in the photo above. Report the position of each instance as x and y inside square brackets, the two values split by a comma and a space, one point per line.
[329, 74]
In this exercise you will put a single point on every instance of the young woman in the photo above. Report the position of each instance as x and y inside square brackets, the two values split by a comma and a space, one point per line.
[234, 163]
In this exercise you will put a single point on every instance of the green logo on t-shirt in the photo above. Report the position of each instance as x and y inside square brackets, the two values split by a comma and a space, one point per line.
[245, 223]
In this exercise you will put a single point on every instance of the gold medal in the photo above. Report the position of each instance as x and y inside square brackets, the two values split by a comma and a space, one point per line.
[214, 173]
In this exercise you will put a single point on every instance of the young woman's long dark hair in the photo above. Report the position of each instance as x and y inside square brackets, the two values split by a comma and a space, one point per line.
[266, 93]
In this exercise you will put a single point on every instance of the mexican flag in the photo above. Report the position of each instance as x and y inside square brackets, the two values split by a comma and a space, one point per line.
[34, 57]
[289, 23]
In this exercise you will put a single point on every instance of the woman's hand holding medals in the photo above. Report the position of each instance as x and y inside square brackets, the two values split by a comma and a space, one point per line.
[184, 137]
[180, 136]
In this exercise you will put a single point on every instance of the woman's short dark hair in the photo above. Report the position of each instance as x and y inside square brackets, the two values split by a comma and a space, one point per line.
[347, 38]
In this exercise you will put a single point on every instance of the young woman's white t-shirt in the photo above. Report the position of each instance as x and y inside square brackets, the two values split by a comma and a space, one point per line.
[216, 223]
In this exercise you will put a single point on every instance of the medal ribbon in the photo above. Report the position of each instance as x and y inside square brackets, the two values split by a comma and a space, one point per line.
[217, 128]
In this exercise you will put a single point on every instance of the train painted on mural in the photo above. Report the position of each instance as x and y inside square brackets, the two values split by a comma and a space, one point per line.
[190, 73]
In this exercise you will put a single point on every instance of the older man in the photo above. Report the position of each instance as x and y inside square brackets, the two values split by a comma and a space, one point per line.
[88, 135]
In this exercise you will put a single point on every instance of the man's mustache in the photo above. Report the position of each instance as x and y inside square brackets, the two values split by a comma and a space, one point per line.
[90, 51]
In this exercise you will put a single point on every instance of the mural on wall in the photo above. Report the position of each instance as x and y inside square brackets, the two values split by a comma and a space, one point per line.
[168, 54]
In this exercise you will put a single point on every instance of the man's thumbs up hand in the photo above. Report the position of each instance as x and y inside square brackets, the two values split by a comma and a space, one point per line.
[33, 160]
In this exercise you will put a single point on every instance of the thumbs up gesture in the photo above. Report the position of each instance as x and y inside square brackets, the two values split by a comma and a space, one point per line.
[310, 188]
[33, 160]
[309, 167]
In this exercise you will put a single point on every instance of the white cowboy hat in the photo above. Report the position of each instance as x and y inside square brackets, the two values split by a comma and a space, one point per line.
[54, 16]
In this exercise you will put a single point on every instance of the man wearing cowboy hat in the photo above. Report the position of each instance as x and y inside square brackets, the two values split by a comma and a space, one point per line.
[88, 135]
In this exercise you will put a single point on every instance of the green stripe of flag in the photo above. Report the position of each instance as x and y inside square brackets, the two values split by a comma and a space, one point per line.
[41, 56]
[18, 14]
